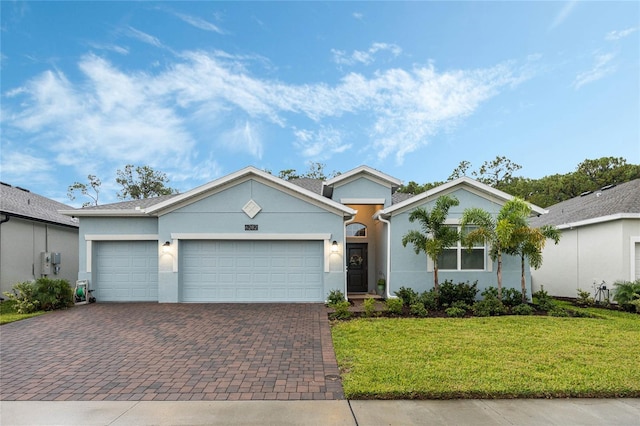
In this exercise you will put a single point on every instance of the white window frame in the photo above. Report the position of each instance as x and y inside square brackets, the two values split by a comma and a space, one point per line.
[459, 249]
[365, 227]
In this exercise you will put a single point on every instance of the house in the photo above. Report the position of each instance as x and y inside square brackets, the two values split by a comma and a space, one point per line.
[253, 237]
[600, 241]
[35, 240]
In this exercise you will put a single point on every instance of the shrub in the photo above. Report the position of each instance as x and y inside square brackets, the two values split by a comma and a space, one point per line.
[557, 311]
[335, 297]
[461, 305]
[429, 299]
[522, 309]
[465, 292]
[455, 312]
[24, 295]
[627, 294]
[490, 306]
[542, 300]
[584, 298]
[418, 310]
[511, 297]
[54, 294]
[394, 306]
[341, 310]
[407, 295]
[489, 292]
[369, 307]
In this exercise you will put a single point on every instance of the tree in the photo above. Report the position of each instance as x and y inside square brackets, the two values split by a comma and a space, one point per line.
[93, 185]
[497, 232]
[315, 171]
[460, 171]
[436, 236]
[288, 174]
[496, 172]
[148, 183]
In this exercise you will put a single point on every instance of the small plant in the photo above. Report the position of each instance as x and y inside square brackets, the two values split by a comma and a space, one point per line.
[522, 309]
[557, 311]
[369, 307]
[627, 294]
[542, 300]
[489, 306]
[454, 312]
[407, 295]
[53, 294]
[335, 297]
[418, 310]
[511, 297]
[394, 306]
[584, 298]
[24, 295]
[489, 292]
[461, 305]
[463, 291]
[341, 310]
[429, 299]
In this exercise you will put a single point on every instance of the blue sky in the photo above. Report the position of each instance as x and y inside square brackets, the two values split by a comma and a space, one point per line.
[201, 89]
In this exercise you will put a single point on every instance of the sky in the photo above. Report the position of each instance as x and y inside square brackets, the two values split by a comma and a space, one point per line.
[198, 90]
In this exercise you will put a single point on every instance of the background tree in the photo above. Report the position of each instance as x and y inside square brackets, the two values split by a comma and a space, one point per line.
[480, 227]
[147, 183]
[315, 171]
[435, 235]
[460, 171]
[497, 172]
[90, 189]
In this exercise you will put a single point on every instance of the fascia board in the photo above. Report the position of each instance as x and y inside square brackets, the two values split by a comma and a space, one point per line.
[383, 177]
[241, 176]
[102, 212]
[601, 219]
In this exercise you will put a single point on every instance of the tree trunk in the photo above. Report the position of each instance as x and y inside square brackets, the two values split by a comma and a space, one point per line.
[436, 284]
[522, 280]
[500, 276]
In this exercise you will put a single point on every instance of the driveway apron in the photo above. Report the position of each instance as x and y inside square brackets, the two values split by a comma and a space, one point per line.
[171, 352]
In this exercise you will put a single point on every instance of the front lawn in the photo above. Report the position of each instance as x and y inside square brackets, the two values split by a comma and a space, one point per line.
[8, 313]
[494, 357]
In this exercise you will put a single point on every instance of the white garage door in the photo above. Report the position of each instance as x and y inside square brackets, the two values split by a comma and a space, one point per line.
[127, 271]
[251, 271]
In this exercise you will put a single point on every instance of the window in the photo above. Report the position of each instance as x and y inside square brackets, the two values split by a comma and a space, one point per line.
[458, 258]
[356, 230]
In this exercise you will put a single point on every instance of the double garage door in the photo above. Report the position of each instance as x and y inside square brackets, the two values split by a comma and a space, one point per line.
[213, 271]
[251, 271]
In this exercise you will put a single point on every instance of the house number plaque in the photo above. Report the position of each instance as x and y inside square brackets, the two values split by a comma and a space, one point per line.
[251, 227]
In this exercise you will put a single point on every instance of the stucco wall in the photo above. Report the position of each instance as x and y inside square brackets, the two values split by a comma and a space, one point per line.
[22, 241]
[362, 187]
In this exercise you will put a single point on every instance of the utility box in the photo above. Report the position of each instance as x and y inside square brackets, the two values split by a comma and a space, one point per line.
[45, 263]
[55, 261]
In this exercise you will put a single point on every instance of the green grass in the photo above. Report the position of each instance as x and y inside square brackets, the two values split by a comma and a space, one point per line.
[495, 357]
[8, 313]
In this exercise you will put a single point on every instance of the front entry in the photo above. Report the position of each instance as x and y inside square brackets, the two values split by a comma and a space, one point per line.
[357, 268]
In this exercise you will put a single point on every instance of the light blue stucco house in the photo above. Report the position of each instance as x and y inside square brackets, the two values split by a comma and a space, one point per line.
[253, 237]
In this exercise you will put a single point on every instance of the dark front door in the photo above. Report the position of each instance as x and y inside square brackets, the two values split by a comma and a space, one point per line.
[357, 268]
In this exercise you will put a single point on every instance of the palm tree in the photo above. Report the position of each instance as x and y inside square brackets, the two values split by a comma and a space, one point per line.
[436, 236]
[497, 232]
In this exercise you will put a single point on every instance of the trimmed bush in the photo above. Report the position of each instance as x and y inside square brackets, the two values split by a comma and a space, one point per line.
[542, 300]
[394, 306]
[455, 312]
[42, 294]
[369, 307]
[463, 291]
[522, 309]
[24, 295]
[627, 294]
[584, 298]
[429, 299]
[408, 295]
[418, 310]
[490, 306]
[341, 310]
[511, 297]
[335, 297]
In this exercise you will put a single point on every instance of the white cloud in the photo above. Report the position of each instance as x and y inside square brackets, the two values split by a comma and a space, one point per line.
[111, 47]
[563, 14]
[600, 69]
[144, 37]
[244, 138]
[365, 57]
[199, 23]
[358, 15]
[320, 144]
[617, 35]
[23, 167]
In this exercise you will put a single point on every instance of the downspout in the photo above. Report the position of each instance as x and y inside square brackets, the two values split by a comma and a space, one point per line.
[344, 249]
[388, 286]
[6, 219]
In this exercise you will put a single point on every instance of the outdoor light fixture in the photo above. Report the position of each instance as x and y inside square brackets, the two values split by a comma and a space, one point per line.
[334, 247]
[166, 247]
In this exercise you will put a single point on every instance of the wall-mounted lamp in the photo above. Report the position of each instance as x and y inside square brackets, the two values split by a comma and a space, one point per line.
[334, 247]
[166, 247]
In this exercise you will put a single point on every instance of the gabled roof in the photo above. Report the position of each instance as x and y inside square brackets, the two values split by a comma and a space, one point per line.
[605, 204]
[162, 205]
[18, 202]
[377, 175]
[448, 187]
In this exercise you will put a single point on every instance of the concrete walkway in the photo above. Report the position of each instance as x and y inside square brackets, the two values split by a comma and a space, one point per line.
[564, 412]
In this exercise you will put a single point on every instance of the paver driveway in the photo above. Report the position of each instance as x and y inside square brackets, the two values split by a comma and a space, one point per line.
[150, 351]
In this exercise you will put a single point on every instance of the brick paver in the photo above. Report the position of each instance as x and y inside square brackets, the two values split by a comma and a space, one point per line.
[170, 352]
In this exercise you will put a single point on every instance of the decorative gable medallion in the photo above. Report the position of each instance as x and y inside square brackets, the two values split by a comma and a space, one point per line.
[251, 209]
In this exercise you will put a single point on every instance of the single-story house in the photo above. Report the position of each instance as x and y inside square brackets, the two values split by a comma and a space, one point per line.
[600, 241]
[253, 237]
[35, 240]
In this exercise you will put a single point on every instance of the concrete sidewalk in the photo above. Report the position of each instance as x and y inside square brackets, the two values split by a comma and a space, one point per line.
[619, 412]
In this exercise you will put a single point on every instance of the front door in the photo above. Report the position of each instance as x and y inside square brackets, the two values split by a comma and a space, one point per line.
[357, 268]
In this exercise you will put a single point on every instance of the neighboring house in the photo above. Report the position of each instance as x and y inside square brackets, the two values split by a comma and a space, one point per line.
[600, 241]
[253, 237]
[30, 230]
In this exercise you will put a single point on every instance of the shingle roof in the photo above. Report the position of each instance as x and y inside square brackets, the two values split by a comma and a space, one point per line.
[132, 204]
[313, 185]
[16, 201]
[619, 199]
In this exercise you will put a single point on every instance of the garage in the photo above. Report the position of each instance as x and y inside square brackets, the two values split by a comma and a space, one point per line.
[251, 271]
[127, 271]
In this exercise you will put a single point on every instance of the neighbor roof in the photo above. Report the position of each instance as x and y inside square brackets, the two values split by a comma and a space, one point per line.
[607, 203]
[19, 202]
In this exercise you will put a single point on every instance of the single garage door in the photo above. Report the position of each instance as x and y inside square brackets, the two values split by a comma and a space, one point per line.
[251, 271]
[127, 271]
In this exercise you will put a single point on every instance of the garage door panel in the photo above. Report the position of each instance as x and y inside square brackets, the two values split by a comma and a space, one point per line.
[247, 271]
[126, 271]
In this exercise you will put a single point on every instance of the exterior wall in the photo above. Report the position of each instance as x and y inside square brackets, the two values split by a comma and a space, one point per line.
[221, 213]
[586, 255]
[362, 188]
[414, 270]
[22, 241]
